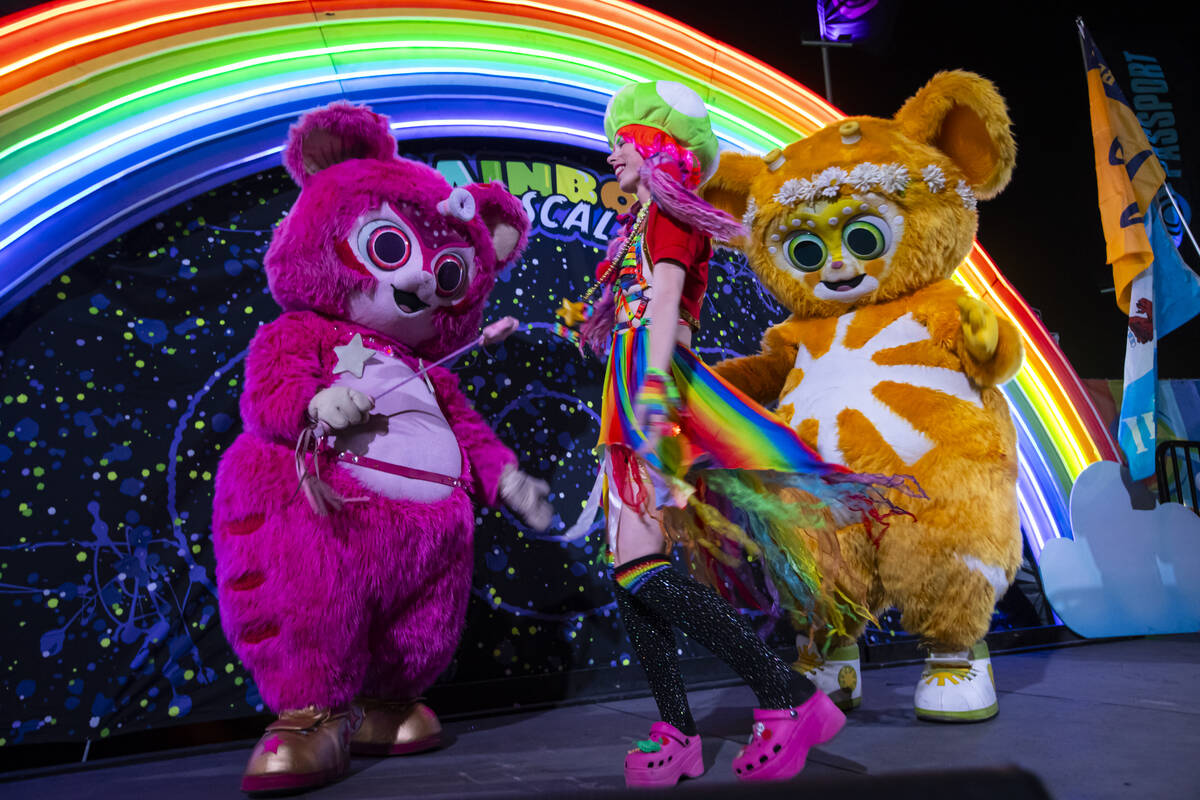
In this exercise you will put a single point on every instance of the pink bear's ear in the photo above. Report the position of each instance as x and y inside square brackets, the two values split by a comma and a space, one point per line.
[504, 217]
[338, 132]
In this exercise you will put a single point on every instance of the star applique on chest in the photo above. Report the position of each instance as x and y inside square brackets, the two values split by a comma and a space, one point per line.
[845, 377]
[352, 357]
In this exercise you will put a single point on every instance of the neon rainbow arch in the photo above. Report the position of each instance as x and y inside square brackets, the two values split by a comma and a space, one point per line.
[112, 111]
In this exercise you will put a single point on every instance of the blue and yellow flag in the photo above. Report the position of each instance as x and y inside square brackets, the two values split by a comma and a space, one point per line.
[1128, 174]
[1154, 286]
[1163, 297]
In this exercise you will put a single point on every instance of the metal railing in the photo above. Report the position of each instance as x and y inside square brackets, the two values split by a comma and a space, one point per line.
[1176, 465]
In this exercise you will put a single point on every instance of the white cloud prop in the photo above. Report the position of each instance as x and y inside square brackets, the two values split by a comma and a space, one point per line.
[1128, 572]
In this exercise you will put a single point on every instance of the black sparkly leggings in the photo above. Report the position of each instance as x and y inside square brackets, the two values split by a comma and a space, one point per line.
[653, 596]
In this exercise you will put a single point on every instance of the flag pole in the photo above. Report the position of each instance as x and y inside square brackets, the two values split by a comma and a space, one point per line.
[1079, 27]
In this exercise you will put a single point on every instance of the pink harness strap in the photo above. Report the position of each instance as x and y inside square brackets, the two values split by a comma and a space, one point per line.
[397, 469]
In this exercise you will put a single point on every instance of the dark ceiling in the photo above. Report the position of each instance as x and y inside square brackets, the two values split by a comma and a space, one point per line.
[1044, 230]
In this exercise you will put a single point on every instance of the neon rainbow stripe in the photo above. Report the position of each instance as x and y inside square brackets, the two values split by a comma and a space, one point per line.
[112, 111]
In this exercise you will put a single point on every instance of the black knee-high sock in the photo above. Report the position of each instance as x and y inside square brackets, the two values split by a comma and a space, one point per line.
[653, 640]
[700, 612]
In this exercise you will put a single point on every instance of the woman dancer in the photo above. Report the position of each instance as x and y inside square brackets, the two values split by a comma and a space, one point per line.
[670, 427]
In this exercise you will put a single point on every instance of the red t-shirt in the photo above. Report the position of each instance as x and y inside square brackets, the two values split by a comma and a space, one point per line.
[669, 239]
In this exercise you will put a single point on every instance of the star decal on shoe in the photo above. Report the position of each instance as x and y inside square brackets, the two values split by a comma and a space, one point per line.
[272, 745]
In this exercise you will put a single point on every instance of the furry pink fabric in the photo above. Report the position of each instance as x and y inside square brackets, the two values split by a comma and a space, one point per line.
[371, 599]
[302, 264]
[345, 131]
[368, 600]
[494, 206]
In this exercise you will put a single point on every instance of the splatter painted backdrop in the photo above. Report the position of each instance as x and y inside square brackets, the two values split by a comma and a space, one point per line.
[119, 389]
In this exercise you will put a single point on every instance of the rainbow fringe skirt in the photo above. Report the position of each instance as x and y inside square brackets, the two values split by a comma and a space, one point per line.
[747, 489]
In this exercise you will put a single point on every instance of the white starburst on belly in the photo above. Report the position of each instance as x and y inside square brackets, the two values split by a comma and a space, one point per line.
[845, 377]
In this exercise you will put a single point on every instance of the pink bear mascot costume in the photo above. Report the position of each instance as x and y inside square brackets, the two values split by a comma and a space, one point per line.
[345, 608]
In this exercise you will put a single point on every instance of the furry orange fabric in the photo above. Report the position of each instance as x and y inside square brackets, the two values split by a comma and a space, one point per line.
[885, 364]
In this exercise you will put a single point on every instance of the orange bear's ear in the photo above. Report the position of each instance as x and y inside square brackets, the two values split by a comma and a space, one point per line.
[964, 116]
[729, 189]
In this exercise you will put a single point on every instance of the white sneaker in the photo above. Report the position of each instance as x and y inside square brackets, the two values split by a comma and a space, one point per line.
[837, 676]
[981, 659]
[957, 687]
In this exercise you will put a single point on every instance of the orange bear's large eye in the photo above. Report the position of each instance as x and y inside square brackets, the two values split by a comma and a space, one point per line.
[864, 239]
[806, 251]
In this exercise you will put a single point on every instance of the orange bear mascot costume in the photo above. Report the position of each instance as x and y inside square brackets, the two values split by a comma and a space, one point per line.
[887, 366]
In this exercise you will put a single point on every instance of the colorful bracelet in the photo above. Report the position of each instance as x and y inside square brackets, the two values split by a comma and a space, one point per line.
[658, 395]
[668, 383]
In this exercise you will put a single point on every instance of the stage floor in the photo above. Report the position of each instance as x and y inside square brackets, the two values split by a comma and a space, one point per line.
[1118, 719]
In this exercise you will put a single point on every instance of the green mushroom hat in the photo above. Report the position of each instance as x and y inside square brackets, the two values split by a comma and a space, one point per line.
[672, 108]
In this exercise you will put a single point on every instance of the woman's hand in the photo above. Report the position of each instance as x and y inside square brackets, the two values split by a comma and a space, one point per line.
[656, 400]
[657, 396]
[655, 428]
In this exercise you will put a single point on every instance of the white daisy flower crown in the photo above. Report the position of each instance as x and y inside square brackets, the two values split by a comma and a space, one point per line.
[887, 178]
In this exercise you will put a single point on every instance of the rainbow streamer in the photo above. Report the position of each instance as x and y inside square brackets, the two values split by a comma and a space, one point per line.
[564, 332]
[720, 428]
[733, 429]
[112, 111]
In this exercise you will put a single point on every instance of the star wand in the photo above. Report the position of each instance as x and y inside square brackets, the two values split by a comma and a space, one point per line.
[322, 497]
[351, 358]
[498, 331]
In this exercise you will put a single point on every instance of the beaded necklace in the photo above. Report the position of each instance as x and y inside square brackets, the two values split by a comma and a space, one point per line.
[631, 270]
[615, 263]
[630, 286]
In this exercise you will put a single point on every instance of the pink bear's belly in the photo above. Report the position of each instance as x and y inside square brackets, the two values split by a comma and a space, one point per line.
[406, 427]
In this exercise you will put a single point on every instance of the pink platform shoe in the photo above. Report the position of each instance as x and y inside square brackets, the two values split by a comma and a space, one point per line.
[664, 758]
[781, 738]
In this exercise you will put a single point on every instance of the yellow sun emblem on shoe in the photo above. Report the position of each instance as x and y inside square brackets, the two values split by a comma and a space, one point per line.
[807, 661]
[847, 678]
[946, 674]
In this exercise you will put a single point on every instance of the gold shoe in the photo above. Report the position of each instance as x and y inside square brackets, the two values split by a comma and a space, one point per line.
[303, 749]
[396, 727]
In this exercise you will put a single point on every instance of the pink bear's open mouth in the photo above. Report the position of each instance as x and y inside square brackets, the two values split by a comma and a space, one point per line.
[408, 302]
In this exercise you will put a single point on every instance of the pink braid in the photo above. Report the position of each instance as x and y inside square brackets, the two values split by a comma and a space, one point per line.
[685, 206]
[597, 329]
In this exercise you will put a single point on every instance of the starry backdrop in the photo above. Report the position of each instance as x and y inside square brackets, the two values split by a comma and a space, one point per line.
[119, 389]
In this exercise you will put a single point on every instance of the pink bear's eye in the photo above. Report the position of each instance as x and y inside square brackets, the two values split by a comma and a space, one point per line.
[388, 247]
[451, 273]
